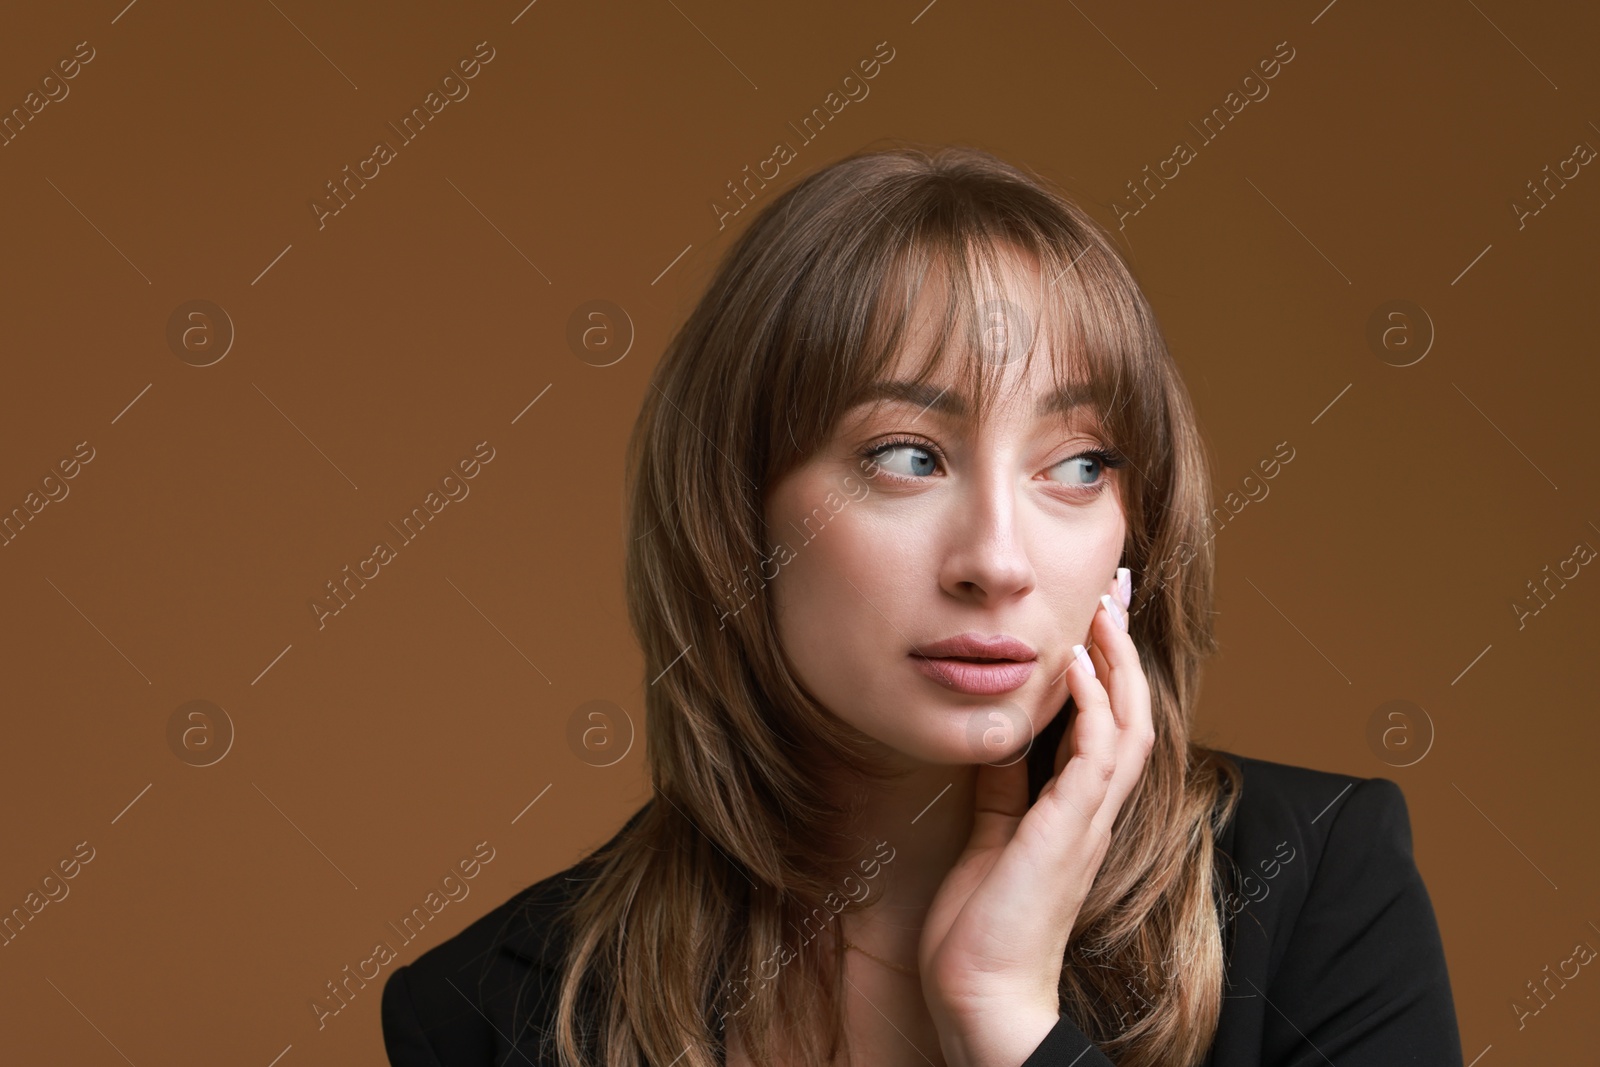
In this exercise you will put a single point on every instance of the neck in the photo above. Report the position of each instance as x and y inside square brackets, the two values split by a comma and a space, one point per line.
[926, 818]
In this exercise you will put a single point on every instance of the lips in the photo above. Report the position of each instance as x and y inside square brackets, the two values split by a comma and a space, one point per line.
[977, 646]
[973, 663]
[979, 679]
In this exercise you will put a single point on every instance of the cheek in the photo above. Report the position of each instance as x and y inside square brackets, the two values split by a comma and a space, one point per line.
[835, 603]
[1082, 568]
[812, 591]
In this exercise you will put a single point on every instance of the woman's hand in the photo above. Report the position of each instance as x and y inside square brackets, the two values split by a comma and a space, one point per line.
[995, 936]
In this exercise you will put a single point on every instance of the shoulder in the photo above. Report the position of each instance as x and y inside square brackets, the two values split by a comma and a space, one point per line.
[1327, 919]
[1321, 896]
[1303, 806]
[1287, 792]
[1291, 821]
[490, 988]
[446, 1006]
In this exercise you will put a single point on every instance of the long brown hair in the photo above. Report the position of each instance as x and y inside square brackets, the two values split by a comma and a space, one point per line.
[681, 920]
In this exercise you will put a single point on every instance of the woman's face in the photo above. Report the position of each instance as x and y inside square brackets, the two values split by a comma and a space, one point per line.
[1003, 529]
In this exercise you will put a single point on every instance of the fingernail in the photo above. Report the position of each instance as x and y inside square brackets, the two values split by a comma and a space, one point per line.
[1083, 659]
[1115, 612]
[1125, 587]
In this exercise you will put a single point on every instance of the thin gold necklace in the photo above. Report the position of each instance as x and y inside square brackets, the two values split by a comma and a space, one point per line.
[912, 971]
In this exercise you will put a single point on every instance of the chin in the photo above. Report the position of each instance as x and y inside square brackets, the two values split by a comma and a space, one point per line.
[967, 734]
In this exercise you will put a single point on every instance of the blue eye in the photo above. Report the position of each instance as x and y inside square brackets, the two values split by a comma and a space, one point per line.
[919, 466]
[1101, 460]
[925, 459]
[1091, 463]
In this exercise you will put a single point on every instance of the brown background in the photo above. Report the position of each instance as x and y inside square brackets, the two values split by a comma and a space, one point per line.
[371, 755]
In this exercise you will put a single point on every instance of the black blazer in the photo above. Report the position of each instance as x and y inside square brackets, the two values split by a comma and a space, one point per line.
[1333, 951]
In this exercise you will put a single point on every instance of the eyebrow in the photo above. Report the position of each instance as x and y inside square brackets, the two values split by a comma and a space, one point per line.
[927, 397]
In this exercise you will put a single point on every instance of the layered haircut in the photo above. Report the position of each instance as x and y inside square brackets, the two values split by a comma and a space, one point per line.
[687, 924]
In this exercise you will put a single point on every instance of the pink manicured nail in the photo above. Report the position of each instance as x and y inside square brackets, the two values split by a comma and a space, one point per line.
[1115, 612]
[1083, 659]
[1125, 587]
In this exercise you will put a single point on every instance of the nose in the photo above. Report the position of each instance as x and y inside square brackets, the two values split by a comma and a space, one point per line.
[984, 552]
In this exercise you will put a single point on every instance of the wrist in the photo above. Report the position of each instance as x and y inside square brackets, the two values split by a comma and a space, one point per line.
[1028, 1034]
[1009, 1045]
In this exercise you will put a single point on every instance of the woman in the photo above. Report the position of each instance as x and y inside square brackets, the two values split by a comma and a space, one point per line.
[919, 563]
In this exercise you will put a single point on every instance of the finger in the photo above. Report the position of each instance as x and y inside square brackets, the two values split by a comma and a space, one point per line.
[1102, 667]
[1097, 658]
[1102, 671]
[1115, 660]
[1118, 665]
[1119, 594]
[1129, 693]
[1098, 664]
[1085, 775]
[1108, 605]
